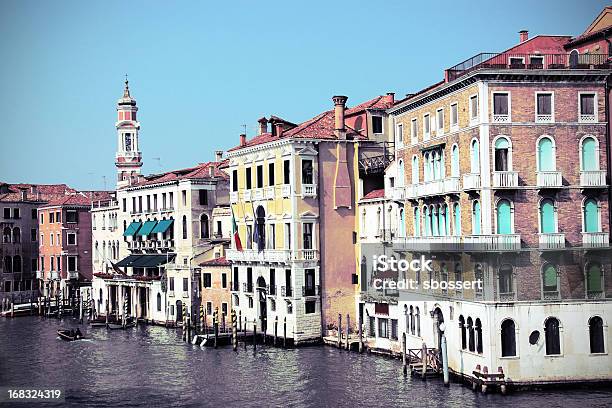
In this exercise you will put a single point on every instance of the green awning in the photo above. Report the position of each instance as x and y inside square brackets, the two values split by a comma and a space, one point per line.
[162, 226]
[131, 229]
[147, 228]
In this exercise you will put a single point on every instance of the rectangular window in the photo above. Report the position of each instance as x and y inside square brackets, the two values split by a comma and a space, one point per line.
[154, 202]
[139, 203]
[287, 236]
[34, 264]
[164, 201]
[72, 238]
[148, 202]
[249, 238]
[544, 107]
[270, 174]
[207, 280]
[311, 306]
[171, 199]
[33, 235]
[272, 237]
[171, 283]
[52, 263]
[42, 216]
[224, 308]
[426, 125]
[224, 280]
[16, 213]
[393, 329]
[51, 218]
[372, 327]
[307, 172]
[235, 282]
[500, 104]
[51, 239]
[286, 172]
[209, 308]
[273, 281]
[440, 121]
[72, 264]
[203, 197]
[7, 214]
[58, 217]
[454, 119]
[124, 205]
[377, 124]
[259, 176]
[58, 243]
[383, 328]
[249, 282]
[234, 180]
[587, 108]
[400, 133]
[248, 178]
[185, 284]
[414, 131]
[34, 214]
[517, 62]
[473, 107]
[42, 239]
[537, 62]
[308, 239]
[42, 263]
[250, 302]
[72, 217]
[184, 195]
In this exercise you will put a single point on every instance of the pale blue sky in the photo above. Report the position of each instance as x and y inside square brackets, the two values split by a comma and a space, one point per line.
[199, 70]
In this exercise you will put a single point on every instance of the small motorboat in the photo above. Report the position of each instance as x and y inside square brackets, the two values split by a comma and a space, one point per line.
[70, 335]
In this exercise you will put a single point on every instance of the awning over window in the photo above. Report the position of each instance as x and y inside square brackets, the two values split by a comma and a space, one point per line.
[162, 226]
[145, 261]
[131, 229]
[146, 228]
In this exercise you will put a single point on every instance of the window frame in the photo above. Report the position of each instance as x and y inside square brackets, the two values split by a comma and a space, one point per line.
[414, 131]
[595, 107]
[454, 126]
[500, 117]
[473, 116]
[552, 107]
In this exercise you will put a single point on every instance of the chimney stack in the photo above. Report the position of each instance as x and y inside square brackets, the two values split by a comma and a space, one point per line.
[523, 36]
[242, 140]
[211, 170]
[390, 98]
[218, 155]
[24, 194]
[263, 125]
[339, 107]
[279, 129]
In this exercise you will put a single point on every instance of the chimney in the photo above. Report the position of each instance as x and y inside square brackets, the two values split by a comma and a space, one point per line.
[390, 98]
[279, 129]
[263, 125]
[218, 155]
[211, 170]
[24, 194]
[339, 107]
[242, 140]
[523, 36]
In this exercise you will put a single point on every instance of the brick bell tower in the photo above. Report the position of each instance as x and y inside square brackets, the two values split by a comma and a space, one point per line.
[128, 159]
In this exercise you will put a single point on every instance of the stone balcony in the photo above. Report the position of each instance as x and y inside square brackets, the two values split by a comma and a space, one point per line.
[469, 243]
[448, 185]
[549, 179]
[73, 275]
[270, 193]
[258, 194]
[471, 181]
[309, 190]
[253, 255]
[497, 242]
[595, 239]
[233, 197]
[54, 275]
[592, 178]
[505, 179]
[40, 274]
[551, 240]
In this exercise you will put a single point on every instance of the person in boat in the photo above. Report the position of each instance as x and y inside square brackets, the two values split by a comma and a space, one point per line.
[78, 334]
[71, 332]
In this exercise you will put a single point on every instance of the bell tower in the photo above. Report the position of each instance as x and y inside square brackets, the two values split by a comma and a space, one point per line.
[128, 159]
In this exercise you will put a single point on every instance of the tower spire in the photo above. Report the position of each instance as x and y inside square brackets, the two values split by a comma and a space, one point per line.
[128, 159]
[126, 91]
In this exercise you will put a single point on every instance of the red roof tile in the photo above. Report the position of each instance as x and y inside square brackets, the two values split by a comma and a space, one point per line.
[374, 194]
[35, 192]
[216, 262]
[78, 199]
[201, 171]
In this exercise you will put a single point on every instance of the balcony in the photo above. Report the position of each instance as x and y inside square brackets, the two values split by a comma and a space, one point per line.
[544, 118]
[253, 255]
[73, 275]
[411, 191]
[507, 297]
[507, 61]
[471, 181]
[498, 242]
[595, 239]
[551, 241]
[550, 295]
[452, 185]
[286, 190]
[270, 193]
[234, 197]
[271, 289]
[309, 190]
[505, 179]
[54, 275]
[235, 286]
[311, 290]
[258, 194]
[286, 291]
[501, 118]
[246, 196]
[247, 287]
[40, 274]
[399, 193]
[592, 178]
[307, 255]
[595, 294]
[549, 179]
[432, 243]
[587, 118]
[430, 188]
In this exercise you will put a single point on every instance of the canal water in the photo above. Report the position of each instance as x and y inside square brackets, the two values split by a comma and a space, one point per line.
[149, 366]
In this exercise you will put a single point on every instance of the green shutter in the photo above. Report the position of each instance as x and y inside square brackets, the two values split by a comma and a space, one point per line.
[550, 278]
[504, 218]
[476, 219]
[547, 217]
[594, 278]
[434, 222]
[475, 164]
[457, 211]
[417, 222]
[545, 155]
[589, 159]
[591, 218]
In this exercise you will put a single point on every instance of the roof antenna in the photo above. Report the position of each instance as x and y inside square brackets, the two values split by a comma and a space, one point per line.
[245, 128]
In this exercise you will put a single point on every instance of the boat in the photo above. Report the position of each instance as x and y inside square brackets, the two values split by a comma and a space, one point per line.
[69, 335]
[119, 325]
[97, 322]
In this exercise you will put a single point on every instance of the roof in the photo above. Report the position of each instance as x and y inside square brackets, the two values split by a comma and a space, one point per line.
[201, 171]
[78, 199]
[222, 261]
[380, 102]
[375, 194]
[34, 192]
[599, 24]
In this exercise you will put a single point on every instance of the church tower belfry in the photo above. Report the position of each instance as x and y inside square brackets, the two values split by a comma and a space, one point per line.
[128, 159]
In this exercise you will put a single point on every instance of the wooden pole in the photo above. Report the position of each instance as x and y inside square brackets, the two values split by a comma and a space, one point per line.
[245, 335]
[285, 333]
[404, 365]
[275, 329]
[348, 331]
[234, 331]
[216, 327]
[424, 360]
[254, 334]
[360, 334]
[202, 322]
[339, 330]
[240, 320]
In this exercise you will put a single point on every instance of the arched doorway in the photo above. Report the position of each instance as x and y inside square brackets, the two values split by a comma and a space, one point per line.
[179, 311]
[438, 319]
[263, 305]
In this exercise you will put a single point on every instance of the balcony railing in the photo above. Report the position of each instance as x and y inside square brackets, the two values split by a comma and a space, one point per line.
[399, 193]
[247, 287]
[549, 179]
[258, 194]
[471, 181]
[432, 243]
[411, 191]
[507, 297]
[595, 294]
[54, 275]
[501, 118]
[286, 190]
[270, 193]
[543, 117]
[592, 178]
[235, 286]
[452, 185]
[429, 188]
[253, 255]
[286, 291]
[309, 190]
[73, 275]
[505, 179]
[40, 274]
[595, 239]
[588, 118]
[513, 61]
[551, 240]
[233, 196]
[307, 255]
[550, 295]
[246, 196]
[498, 242]
[311, 290]
[271, 289]
[470, 243]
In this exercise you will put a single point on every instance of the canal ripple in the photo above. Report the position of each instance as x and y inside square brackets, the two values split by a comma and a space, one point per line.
[150, 367]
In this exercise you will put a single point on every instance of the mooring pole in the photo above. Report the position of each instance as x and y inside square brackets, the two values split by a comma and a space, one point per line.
[339, 330]
[444, 360]
[275, 329]
[285, 333]
[234, 331]
[240, 320]
[424, 360]
[404, 365]
[360, 335]
[216, 326]
[254, 334]
[348, 331]
[244, 333]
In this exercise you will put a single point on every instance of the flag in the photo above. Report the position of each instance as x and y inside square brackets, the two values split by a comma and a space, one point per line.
[235, 233]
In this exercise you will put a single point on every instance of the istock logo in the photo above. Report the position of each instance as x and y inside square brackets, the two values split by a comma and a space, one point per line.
[384, 263]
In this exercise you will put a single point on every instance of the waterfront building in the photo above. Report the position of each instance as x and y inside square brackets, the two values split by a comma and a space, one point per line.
[293, 192]
[163, 222]
[507, 181]
[19, 246]
[214, 284]
[106, 237]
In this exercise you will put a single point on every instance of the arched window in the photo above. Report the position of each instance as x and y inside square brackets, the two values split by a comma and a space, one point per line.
[596, 335]
[184, 227]
[478, 336]
[427, 216]
[455, 161]
[96, 252]
[476, 217]
[378, 221]
[550, 281]
[546, 154]
[204, 227]
[470, 329]
[415, 170]
[17, 264]
[437, 173]
[502, 154]
[411, 320]
[508, 338]
[418, 322]
[159, 302]
[551, 334]
[400, 173]
[434, 220]
[475, 157]
[417, 222]
[402, 223]
[426, 176]
[504, 217]
[506, 284]
[16, 234]
[547, 216]
[457, 214]
[6, 235]
[589, 158]
[463, 332]
[591, 216]
[573, 58]
[442, 227]
[430, 166]
[594, 280]
[458, 277]
[479, 277]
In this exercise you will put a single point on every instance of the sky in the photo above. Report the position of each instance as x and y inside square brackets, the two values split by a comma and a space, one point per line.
[200, 70]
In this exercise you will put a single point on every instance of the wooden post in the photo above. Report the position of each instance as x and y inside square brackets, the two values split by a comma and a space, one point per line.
[240, 320]
[216, 326]
[404, 365]
[360, 335]
[202, 323]
[254, 334]
[205, 321]
[424, 360]
[339, 330]
[234, 331]
[245, 335]
[12, 309]
[285, 333]
[444, 360]
[275, 329]
[348, 331]
[39, 306]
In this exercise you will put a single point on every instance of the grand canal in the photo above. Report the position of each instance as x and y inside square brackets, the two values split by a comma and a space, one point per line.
[150, 366]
